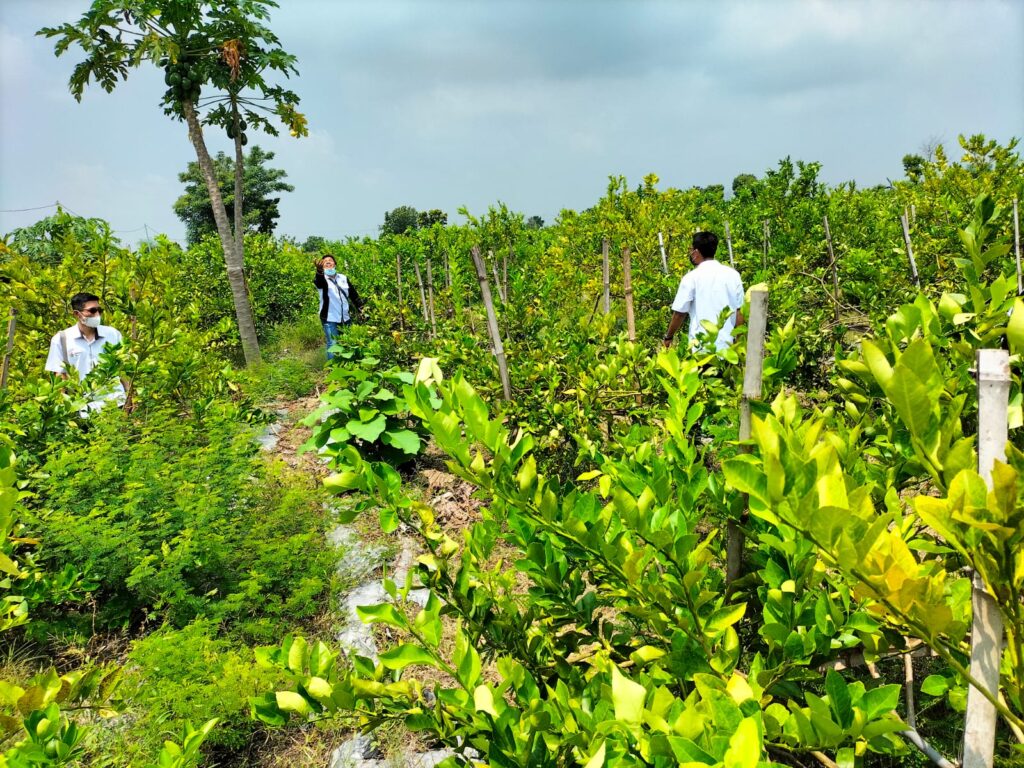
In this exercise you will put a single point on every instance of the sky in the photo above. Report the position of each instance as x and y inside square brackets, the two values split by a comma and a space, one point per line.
[535, 103]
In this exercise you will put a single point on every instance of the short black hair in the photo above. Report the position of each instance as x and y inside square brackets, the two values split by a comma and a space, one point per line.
[706, 243]
[79, 300]
[329, 256]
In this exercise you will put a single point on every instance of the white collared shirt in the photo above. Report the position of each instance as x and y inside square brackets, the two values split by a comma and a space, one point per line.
[337, 295]
[82, 354]
[704, 292]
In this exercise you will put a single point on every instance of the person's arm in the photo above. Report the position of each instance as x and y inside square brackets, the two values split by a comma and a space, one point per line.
[682, 305]
[318, 279]
[673, 326]
[740, 320]
[353, 297]
[55, 362]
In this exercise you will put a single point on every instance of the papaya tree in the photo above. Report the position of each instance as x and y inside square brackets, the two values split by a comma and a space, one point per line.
[217, 57]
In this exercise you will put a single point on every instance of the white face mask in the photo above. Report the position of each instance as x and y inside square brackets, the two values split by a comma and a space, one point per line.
[92, 321]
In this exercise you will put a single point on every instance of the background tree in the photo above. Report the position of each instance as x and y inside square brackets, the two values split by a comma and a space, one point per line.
[535, 222]
[259, 183]
[913, 167]
[223, 46]
[49, 239]
[743, 181]
[400, 220]
[426, 219]
[314, 244]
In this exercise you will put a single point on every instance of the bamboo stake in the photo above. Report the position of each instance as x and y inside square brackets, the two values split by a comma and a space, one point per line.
[492, 322]
[1016, 245]
[11, 325]
[728, 242]
[832, 265]
[398, 282]
[504, 275]
[664, 257]
[993, 367]
[764, 256]
[423, 294]
[430, 298]
[447, 272]
[910, 251]
[494, 271]
[607, 272]
[627, 286]
[751, 391]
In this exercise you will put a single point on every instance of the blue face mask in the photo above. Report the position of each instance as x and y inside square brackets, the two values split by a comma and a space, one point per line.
[330, 272]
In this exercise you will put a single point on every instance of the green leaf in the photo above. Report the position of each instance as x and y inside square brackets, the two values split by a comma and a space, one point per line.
[744, 746]
[401, 656]
[935, 685]
[1015, 328]
[385, 613]
[879, 701]
[839, 698]
[404, 440]
[724, 618]
[467, 661]
[290, 701]
[628, 698]
[370, 430]
[597, 759]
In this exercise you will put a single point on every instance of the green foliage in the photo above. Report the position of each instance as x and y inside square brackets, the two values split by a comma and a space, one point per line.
[50, 239]
[279, 276]
[400, 220]
[260, 184]
[364, 407]
[43, 734]
[136, 509]
[226, 47]
[174, 676]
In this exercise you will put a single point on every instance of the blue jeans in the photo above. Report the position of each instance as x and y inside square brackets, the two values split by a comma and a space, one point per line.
[331, 334]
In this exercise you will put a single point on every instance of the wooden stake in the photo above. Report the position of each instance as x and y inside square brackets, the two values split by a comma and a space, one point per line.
[492, 322]
[993, 367]
[11, 325]
[728, 242]
[430, 299]
[1016, 244]
[447, 272]
[910, 251]
[832, 265]
[607, 278]
[751, 391]
[423, 294]
[627, 287]
[664, 257]
[913, 214]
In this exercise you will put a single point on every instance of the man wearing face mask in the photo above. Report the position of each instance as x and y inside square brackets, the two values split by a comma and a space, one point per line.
[704, 292]
[338, 299]
[76, 349]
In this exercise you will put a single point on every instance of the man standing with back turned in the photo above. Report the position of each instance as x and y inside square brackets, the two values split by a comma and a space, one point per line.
[705, 291]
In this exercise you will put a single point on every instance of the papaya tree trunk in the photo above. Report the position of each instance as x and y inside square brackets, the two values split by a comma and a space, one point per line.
[232, 256]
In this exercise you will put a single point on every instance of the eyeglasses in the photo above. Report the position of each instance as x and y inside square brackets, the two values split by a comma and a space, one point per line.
[92, 311]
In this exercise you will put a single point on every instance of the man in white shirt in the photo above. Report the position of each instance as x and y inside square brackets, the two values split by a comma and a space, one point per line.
[704, 292]
[76, 349]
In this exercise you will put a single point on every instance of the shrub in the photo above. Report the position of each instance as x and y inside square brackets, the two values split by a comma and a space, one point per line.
[180, 518]
[279, 277]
